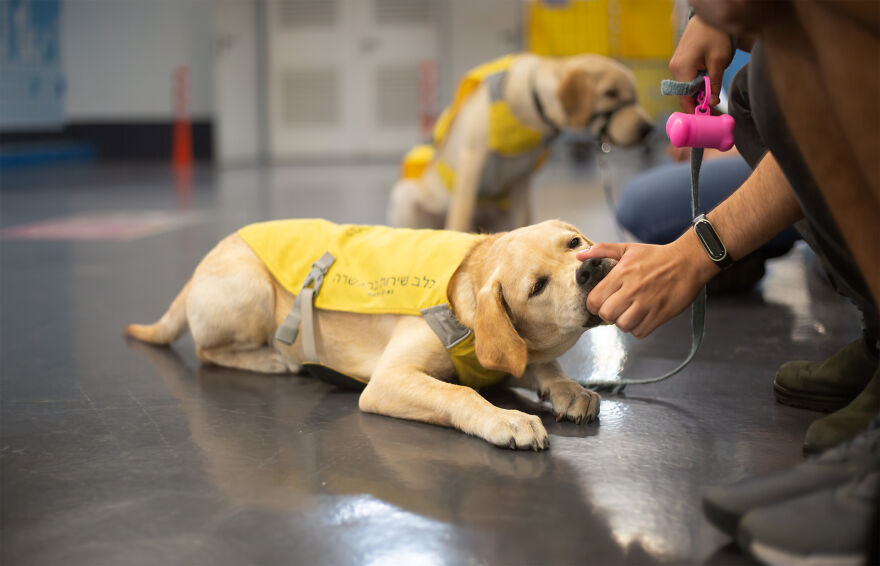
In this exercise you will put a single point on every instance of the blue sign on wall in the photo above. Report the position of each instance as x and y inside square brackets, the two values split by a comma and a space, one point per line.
[31, 79]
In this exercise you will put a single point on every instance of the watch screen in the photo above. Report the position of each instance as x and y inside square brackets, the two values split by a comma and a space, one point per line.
[710, 240]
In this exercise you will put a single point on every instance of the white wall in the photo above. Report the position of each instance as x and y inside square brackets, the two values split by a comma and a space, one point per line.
[119, 56]
[237, 90]
[481, 30]
[470, 32]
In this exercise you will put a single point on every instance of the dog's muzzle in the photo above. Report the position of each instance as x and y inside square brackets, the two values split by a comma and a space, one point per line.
[592, 271]
[588, 276]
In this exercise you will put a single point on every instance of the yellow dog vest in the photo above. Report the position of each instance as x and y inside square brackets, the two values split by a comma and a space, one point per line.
[377, 270]
[515, 150]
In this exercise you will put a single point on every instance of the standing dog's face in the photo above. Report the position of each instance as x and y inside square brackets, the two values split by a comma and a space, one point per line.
[529, 295]
[598, 96]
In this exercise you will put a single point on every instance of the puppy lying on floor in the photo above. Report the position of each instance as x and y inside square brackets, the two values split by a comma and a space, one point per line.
[415, 318]
[497, 131]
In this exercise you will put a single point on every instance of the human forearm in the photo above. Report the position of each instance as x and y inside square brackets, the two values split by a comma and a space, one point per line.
[761, 208]
[652, 284]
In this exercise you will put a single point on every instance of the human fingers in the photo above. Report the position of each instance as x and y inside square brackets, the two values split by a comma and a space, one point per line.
[648, 324]
[673, 304]
[684, 67]
[687, 104]
[614, 306]
[601, 292]
[613, 251]
[631, 318]
[715, 65]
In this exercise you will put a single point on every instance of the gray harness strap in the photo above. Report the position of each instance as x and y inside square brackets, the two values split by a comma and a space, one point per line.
[445, 325]
[439, 318]
[501, 171]
[303, 311]
[495, 84]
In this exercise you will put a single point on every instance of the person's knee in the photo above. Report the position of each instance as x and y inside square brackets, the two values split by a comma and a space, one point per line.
[650, 204]
[628, 209]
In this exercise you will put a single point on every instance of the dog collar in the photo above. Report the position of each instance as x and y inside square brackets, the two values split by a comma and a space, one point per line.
[539, 107]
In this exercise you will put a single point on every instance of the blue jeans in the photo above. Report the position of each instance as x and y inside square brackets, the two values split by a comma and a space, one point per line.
[656, 206]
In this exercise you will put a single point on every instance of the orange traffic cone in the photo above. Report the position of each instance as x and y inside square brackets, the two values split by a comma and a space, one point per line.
[181, 141]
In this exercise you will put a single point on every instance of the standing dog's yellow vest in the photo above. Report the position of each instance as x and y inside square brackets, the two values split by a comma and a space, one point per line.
[377, 270]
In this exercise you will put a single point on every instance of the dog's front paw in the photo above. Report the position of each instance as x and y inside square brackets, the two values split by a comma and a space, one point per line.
[572, 401]
[515, 429]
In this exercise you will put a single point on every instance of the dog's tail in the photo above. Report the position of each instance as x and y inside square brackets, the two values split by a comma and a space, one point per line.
[168, 328]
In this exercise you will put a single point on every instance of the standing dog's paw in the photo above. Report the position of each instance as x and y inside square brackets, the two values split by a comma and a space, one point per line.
[572, 401]
[515, 429]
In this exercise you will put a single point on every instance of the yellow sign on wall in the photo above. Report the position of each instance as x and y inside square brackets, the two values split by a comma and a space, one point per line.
[632, 29]
[641, 33]
[558, 29]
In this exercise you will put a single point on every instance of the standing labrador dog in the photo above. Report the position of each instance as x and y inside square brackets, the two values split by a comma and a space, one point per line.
[521, 293]
[497, 132]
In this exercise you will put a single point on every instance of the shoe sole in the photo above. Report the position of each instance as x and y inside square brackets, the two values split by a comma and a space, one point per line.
[767, 554]
[775, 556]
[821, 403]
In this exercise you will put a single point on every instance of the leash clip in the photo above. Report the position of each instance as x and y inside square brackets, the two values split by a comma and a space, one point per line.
[703, 98]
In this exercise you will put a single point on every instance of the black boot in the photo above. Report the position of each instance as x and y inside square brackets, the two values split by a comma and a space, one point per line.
[830, 385]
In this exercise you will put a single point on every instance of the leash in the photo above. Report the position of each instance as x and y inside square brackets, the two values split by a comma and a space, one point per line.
[604, 148]
[698, 308]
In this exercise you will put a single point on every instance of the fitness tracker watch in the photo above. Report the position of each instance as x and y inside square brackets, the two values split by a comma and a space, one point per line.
[711, 242]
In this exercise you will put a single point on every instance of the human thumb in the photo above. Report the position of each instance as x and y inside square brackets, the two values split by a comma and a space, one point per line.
[716, 93]
[613, 251]
[716, 76]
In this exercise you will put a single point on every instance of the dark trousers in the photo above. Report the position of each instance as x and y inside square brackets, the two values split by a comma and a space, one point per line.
[760, 126]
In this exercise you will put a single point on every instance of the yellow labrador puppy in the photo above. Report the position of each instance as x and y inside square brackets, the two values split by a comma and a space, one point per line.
[520, 296]
[497, 131]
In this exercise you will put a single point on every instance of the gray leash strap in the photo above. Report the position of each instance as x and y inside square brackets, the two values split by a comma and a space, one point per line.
[302, 310]
[677, 88]
[698, 308]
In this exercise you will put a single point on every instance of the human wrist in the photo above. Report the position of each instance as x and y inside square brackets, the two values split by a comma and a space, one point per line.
[695, 260]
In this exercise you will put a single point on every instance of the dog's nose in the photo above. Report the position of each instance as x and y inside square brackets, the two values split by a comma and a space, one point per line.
[591, 272]
[645, 129]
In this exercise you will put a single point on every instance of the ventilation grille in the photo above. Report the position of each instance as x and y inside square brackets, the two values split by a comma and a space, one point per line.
[395, 12]
[310, 98]
[308, 13]
[398, 95]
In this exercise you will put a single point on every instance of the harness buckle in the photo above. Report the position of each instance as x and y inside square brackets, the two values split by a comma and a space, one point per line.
[289, 329]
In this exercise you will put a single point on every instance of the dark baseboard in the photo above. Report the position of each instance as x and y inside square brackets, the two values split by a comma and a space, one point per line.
[122, 141]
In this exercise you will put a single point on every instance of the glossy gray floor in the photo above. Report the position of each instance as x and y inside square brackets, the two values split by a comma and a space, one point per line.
[119, 453]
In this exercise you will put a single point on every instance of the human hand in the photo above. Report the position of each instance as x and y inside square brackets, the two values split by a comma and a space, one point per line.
[680, 154]
[650, 284]
[701, 48]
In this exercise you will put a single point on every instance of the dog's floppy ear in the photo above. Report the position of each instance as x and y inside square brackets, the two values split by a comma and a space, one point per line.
[498, 345]
[575, 93]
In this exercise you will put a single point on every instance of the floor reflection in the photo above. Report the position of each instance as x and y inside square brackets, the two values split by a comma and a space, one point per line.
[291, 445]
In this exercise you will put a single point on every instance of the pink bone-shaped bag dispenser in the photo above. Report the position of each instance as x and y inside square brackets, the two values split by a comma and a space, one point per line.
[701, 129]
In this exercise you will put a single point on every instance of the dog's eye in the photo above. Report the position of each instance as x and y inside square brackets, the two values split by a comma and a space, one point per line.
[539, 286]
[610, 93]
[574, 242]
